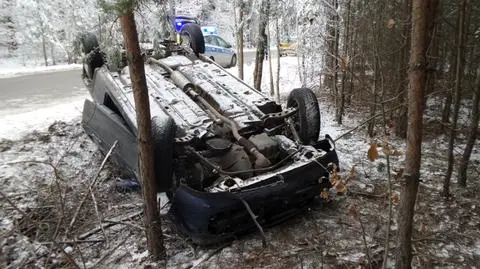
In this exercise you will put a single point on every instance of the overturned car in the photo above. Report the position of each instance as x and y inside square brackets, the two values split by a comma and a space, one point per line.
[223, 151]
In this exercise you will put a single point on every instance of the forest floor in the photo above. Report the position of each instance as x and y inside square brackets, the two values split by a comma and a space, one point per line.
[52, 186]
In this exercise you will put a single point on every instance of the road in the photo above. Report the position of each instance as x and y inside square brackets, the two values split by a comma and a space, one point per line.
[31, 92]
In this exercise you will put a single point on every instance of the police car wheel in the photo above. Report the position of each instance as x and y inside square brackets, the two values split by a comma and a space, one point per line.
[234, 61]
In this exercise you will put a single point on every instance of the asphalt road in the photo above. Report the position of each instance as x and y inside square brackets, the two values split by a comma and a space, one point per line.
[30, 92]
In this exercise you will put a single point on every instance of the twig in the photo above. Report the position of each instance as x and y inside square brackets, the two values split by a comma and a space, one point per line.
[25, 215]
[92, 183]
[207, 256]
[97, 213]
[125, 223]
[96, 265]
[390, 202]
[74, 242]
[365, 242]
[4, 196]
[365, 122]
[368, 195]
[254, 218]
[390, 206]
[106, 225]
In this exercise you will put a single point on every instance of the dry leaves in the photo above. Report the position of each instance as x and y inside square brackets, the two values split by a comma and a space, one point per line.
[373, 152]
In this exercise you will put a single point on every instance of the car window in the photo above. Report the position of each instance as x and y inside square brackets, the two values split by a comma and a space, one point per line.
[211, 40]
[222, 43]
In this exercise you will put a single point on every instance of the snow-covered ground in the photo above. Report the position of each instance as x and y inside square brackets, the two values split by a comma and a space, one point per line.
[46, 173]
[13, 126]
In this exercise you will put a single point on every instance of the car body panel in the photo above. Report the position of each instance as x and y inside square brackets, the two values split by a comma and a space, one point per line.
[219, 50]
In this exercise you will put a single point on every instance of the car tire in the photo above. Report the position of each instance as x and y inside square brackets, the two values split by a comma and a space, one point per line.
[93, 57]
[233, 61]
[307, 119]
[163, 135]
[194, 33]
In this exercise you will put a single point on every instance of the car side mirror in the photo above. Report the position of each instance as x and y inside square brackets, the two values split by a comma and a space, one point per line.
[228, 46]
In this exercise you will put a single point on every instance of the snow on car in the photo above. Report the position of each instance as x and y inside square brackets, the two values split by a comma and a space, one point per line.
[223, 150]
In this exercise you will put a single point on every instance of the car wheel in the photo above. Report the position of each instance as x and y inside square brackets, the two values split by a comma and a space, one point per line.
[193, 37]
[234, 61]
[88, 42]
[307, 119]
[92, 57]
[163, 135]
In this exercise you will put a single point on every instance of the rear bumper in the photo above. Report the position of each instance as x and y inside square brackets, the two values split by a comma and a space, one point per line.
[212, 217]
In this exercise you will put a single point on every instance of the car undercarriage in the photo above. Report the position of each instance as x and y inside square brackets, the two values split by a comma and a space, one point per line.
[228, 157]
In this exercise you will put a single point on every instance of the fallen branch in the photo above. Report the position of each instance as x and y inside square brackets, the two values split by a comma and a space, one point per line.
[365, 122]
[92, 183]
[125, 223]
[96, 265]
[365, 242]
[72, 242]
[106, 225]
[207, 256]
[97, 212]
[368, 195]
[254, 218]
[25, 215]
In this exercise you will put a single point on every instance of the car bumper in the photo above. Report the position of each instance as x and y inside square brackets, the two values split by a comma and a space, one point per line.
[208, 218]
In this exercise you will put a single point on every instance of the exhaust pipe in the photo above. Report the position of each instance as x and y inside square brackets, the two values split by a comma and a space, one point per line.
[260, 160]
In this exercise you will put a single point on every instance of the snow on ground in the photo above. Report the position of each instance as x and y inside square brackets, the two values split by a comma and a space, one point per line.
[15, 125]
[12, 67]
[46, 174]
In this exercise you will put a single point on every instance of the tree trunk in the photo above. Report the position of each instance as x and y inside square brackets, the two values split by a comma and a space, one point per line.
[402, 118]
[261, 47]
[277, 88]
[417, 78]
[376, 71]
[270, 67]
[330, 58]
[335, 55]
[44, 49]
[472, 134]
[240, 43]
[345, 66]
[52, 52]
[457, 96]
[146, 154]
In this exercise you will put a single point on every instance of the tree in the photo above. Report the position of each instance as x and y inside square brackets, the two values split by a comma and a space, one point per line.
[277, 34]
[472, 134]
[146, 155]
[417, 79]
[459, 72]
[261, 45]
[241, 6]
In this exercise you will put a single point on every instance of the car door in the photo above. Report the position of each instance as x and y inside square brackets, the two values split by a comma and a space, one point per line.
[225, 51]
[212, 50]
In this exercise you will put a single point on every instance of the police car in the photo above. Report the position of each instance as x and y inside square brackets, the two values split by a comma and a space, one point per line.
[218, 49]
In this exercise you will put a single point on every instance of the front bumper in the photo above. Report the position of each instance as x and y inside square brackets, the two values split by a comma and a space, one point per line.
[208, 218]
